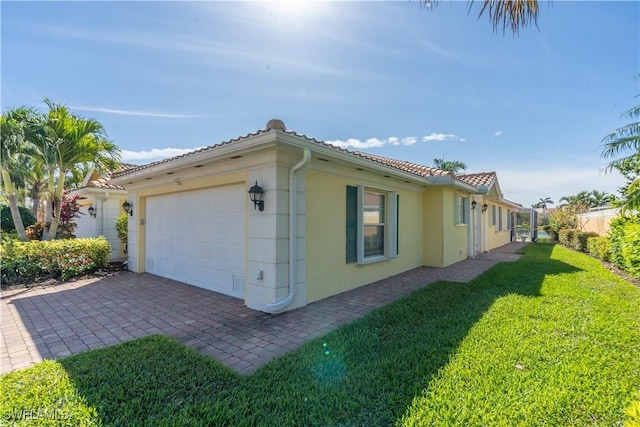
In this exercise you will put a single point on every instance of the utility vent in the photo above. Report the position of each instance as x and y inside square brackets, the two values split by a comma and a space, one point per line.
[276, 124]
[238, 284]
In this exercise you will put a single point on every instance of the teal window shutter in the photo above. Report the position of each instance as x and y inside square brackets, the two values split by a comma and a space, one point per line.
[397, 224]
[352, 224]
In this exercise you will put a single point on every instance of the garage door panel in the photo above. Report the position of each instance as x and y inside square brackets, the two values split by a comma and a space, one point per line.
[197, 237]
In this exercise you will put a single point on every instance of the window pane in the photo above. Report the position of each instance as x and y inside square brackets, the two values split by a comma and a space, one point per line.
[373, 208]
[373, 240]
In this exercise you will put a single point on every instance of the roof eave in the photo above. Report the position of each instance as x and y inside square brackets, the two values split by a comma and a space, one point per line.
[335, 153]
[448, 180]
[248, 144]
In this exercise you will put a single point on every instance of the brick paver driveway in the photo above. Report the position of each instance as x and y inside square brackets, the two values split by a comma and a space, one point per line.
[44, 323]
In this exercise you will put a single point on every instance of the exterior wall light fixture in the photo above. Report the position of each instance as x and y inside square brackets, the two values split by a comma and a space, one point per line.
[474, 204]
[255, 194]
[485, 207]
[128, 208]
[92, 211]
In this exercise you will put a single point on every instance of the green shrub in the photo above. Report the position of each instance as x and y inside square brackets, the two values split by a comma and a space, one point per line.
[566, 237]
[599, 247]
[580, 240]
[625, 243]
[6, 221]
[67, 258]
[122, 227]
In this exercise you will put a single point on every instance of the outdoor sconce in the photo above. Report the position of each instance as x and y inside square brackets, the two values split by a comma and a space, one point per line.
[128, 208]
[474, 204]
[485, 207]
[92, 211]
[255, 194]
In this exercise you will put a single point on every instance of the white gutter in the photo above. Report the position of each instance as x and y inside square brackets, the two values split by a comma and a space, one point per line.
[293, 236]
[446, 180]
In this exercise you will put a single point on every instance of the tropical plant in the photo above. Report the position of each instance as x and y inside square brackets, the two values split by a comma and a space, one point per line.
[122, 227]
[69, 210]
[454, 166]
[512, 14]
[626, 140]
[14, 146]
[64, 140]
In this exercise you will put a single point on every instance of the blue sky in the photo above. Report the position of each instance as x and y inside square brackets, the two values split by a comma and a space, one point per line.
[390, 78]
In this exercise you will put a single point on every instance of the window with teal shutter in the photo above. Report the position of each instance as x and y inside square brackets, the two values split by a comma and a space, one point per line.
[371, 225]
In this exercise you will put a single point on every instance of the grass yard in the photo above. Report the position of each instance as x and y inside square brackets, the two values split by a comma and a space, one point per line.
[553, 339]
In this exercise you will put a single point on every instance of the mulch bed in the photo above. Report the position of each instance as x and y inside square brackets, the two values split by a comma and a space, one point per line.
[111, 269]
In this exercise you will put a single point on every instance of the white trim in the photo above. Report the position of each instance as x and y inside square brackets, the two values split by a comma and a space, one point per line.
[390, 226]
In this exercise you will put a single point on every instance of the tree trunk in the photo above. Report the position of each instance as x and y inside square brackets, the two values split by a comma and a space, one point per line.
[13, 206]
[48, 207]
[57, 206]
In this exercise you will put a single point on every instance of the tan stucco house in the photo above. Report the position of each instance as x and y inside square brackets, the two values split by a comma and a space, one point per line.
[330, 219]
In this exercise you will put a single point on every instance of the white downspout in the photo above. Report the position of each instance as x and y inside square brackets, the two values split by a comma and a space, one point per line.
[293, 236]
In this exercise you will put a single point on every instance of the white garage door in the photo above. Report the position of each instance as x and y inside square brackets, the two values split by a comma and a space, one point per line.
[197, 237]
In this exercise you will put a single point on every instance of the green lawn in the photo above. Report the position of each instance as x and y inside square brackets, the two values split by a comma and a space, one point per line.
[553, 339]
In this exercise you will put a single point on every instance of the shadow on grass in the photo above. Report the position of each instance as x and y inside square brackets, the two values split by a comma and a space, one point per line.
[365, 373]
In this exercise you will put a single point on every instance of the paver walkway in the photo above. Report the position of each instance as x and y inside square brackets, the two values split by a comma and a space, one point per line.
[45, 323]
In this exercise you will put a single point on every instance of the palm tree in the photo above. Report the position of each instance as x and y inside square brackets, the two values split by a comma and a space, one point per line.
[454, 166]
[581, 201]
[622, 140]
[514, 14]
[544, 202]
[600, 198]
[14, 146]
[63, 141]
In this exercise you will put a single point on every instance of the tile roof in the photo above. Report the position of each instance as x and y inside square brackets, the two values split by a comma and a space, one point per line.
[478, 179]
[103, 181]
[405, 166]
[414, 168]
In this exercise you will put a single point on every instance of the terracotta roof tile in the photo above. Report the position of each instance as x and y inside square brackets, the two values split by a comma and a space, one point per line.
[478, 179]
[103, 183]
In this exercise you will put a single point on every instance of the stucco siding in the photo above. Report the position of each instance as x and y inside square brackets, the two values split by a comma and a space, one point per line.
[433, 233]
[327, 270]
[455, 244]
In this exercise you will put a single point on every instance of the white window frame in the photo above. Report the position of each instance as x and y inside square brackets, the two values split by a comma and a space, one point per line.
[390, 225]
[494, 214]
[461, 210]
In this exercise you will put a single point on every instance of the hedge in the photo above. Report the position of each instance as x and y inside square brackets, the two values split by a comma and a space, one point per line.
[66, 258]
[575, 239]
[599, 247]
[625, 244]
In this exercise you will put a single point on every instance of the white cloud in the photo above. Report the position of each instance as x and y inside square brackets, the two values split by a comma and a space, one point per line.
[133, 113]
[498, 133]
[392, 140]
[154, 154]
[440, 137]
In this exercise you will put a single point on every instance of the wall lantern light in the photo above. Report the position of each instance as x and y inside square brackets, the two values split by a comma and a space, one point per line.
[128, 208]
[474, 204]
[485, 207]
[255, 194]
[92, 211]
